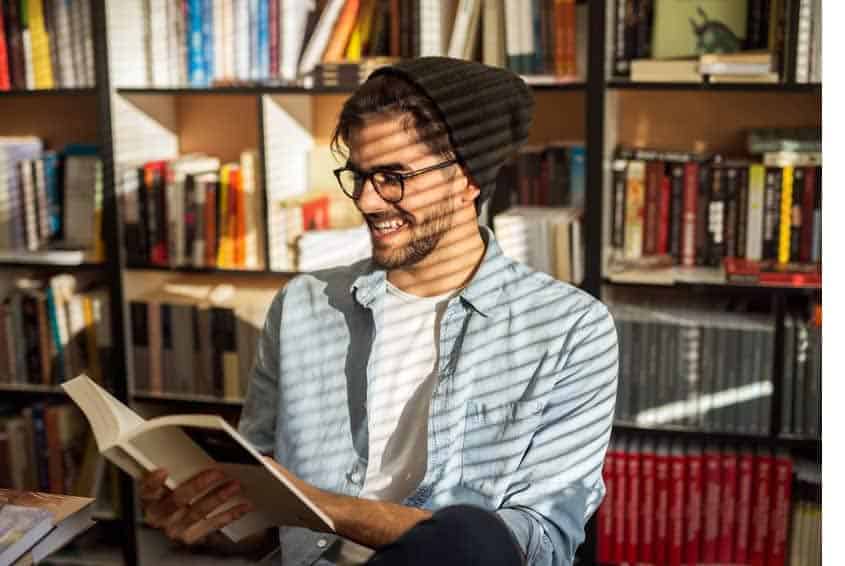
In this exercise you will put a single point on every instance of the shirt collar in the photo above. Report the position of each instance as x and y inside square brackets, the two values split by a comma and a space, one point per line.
[481, 293]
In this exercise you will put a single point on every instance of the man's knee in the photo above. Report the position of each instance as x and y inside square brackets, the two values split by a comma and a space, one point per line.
[460, 534]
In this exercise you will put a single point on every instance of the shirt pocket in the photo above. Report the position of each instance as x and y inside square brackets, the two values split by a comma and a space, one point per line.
[495, 441]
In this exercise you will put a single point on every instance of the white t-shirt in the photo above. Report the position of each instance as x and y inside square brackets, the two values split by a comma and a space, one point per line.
[405, 373]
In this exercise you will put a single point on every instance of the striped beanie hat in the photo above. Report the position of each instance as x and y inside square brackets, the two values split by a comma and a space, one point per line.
[487, 110]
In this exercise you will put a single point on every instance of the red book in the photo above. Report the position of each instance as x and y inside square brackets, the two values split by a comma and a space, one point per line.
[4, 56]
[745, 473]
[727, 507]
[155, 181]
[661, 504]
[632, 505]
[604, 544]
[315, 213]
[694, 507]
[779, 518]
[653, 182]
[805, 245]
[688, 219]
[760, 511]
[620, 497]
[712, 477]
[677, 469]
[647, 493]
[665, 212]
[770, 272]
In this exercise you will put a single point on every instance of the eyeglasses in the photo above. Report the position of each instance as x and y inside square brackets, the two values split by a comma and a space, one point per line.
[390, 185]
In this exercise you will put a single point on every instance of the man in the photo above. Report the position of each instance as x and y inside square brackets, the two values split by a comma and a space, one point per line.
[441, 402]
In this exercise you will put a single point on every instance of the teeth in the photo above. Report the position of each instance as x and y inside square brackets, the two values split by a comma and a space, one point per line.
[389, 224]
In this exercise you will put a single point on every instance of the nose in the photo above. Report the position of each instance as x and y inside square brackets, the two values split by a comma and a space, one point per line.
[369, 200]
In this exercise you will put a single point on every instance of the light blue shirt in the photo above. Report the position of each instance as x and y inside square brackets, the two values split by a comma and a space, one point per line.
[520, 416]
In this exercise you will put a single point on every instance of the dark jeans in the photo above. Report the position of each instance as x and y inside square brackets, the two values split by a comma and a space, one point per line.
[459, 535]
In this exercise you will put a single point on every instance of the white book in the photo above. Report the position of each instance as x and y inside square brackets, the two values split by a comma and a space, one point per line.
[294, 14]
[27, 53]
[756, 196]
[320, 39]
[494, 33]
[472, 31]
[804, 42]
[816, 56]
[175, 193]
[67, 77]
[186, 445]
[242, 39]
[217, 35]
[158, 43]
[228, 31]
[87, 34]
[513, 33]
[526, 35]
[431, 42]
[461, 29]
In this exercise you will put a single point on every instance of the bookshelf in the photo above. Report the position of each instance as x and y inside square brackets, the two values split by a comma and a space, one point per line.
[133, 122]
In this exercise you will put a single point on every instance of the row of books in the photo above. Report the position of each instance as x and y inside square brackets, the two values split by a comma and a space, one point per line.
[45, 447]
[214, 42]
[52, 329]
[673, 503]
[698, 210]
[50, 199]
[802, 374]
[549, 175]
[547, 239]
[690, 367]
[739, 67]
[647, 31]
[195, 211]
[192, 339]
[46, 44]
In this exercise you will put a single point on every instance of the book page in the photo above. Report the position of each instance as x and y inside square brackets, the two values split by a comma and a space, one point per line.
[109, 418]
[186, 445]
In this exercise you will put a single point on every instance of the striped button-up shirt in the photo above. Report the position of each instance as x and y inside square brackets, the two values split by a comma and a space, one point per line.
[519, 419]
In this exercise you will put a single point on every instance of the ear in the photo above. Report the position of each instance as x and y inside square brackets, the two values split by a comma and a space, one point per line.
[470, 191]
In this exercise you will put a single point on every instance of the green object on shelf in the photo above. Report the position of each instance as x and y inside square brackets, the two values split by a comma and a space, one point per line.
[684, 28]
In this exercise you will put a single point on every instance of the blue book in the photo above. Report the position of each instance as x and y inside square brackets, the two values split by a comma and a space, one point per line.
[196, 53]
[263, 44]
[54, 197]
[252, 11]
[578, 175]
[81, 149]
[58, 364]
[208, 40]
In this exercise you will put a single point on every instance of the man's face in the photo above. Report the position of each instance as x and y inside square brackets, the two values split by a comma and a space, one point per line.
[406, 232]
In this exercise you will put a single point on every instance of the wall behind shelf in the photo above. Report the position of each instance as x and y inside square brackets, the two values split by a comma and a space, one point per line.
[36, 115]
[222, 126]
[718, 120]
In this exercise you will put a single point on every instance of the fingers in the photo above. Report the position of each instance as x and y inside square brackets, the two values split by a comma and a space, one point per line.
[152, 486]
[199, 530]
[170, 508]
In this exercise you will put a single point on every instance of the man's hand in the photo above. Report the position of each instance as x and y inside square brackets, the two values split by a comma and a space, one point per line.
[191, 512]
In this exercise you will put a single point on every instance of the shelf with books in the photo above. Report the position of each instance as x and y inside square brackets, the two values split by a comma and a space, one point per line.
[26, 390]
[783, 440]
[221, 272]
[709, 278]
[781, 88]
[75, 92]
[186, 400]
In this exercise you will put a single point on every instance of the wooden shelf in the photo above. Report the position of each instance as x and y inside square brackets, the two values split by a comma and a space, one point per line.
[183, 399]
[86, 91]
[710, 277]
[686, 433]
[50, 259]
[31, 390]
[213, 271]
[622, 84]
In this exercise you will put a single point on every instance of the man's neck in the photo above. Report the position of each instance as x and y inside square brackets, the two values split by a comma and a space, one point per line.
[449, 267]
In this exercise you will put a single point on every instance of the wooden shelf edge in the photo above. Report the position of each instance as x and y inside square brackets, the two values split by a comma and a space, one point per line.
[185, 399]
[793, 88]
[32, 389]
[211, 271]
[87, 91]
[703, 435]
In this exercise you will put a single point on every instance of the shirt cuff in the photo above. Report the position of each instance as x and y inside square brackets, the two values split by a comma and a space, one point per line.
[529, 533]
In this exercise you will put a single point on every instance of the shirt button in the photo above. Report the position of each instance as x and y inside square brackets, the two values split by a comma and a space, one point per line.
[322, 543]
[355, 477]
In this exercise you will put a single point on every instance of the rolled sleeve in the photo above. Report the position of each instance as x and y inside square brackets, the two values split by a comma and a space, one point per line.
[561, 471]
[258, 418]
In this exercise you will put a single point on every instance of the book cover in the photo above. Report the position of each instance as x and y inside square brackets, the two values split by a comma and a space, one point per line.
[662, 504]
[677, 504]
[760, 513]
[683, 28]
[634, 209]
[779, 521]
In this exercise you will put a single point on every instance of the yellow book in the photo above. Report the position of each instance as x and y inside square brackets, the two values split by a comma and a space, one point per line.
[225, 249]
[785, 215]
[92, 351]
[42, 66]
[361, 33]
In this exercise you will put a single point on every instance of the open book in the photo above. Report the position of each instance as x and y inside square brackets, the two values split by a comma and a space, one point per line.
[185, 445]
[34, 525]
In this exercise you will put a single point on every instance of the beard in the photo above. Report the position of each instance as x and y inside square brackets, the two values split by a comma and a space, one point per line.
[424, 238]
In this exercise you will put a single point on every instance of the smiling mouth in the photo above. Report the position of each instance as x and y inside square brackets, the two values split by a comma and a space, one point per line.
[382, 228]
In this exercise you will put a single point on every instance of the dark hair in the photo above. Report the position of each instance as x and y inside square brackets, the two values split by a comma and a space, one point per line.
[388, 93]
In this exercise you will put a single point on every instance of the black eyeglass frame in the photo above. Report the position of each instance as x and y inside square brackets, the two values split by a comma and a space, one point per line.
[402, 177]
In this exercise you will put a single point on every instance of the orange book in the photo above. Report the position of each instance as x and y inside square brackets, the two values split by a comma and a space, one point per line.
[239, 219]
[564, 40]
[342, 31]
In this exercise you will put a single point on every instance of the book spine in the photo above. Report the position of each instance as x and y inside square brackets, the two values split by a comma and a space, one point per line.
[208, 51]
[689, 221]
[742, 213]
[702, 247]
[712, 478]
[727, 507]
[799, 181]
[621, 64]
[620, 502]
[618, 204]
[809, 196]
[664, 213]
[779, 523]
[693, 512]
[195, 48]
[654, 178]
[5, 82]
[716, 217]
[41, 447]
[663, 489]
[604, 542]
[760, 513]
[771, 215]
[634, 209]
[647, 503]
[677, 471]
[816, 246]
[785, 215]
[744, 503]
[756, 211]
[731, 179]
[632, 526]
[676, 211]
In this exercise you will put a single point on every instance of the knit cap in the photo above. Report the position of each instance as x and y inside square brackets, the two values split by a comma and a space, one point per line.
[487, 110]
